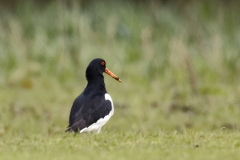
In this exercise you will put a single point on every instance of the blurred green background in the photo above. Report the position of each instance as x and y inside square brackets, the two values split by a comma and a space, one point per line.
[179, 62]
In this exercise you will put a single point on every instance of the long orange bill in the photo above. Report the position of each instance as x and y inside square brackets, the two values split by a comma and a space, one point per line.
[112, 75]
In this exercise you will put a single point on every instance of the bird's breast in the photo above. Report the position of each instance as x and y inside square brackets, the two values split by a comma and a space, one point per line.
[108, 97]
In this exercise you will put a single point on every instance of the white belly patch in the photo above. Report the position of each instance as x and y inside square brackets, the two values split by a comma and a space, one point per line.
[96, 127]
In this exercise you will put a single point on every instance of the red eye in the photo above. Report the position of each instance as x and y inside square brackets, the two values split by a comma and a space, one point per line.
[103, 63]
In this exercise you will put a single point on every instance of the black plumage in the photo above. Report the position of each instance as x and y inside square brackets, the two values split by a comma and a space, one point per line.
[91, 105]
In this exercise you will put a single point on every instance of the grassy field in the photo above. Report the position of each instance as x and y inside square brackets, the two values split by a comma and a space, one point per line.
[123, 145]
[180, 68]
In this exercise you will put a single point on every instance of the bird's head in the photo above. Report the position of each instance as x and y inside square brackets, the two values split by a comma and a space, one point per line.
[97, 67]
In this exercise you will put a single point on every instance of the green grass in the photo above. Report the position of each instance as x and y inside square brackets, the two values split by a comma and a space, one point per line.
[179, 66]
[123, 145]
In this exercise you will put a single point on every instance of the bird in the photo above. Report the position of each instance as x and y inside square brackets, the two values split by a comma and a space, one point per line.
[94, 106]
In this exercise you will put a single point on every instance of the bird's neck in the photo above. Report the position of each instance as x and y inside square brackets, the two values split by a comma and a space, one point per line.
[96, 83]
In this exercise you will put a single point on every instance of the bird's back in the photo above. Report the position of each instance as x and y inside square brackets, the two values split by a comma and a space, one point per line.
[87, 109]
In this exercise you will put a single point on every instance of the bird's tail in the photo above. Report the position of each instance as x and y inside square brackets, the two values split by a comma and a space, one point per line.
[68, 129]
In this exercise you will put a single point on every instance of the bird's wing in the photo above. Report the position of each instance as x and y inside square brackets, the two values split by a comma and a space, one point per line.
[89, 113]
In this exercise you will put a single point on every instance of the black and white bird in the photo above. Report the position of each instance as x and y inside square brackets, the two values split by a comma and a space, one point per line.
[94, 106]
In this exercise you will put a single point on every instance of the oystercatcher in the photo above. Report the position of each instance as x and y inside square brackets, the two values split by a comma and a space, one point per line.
[94, 106]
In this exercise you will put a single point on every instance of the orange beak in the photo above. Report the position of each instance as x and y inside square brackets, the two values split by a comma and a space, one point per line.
[112, 75]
